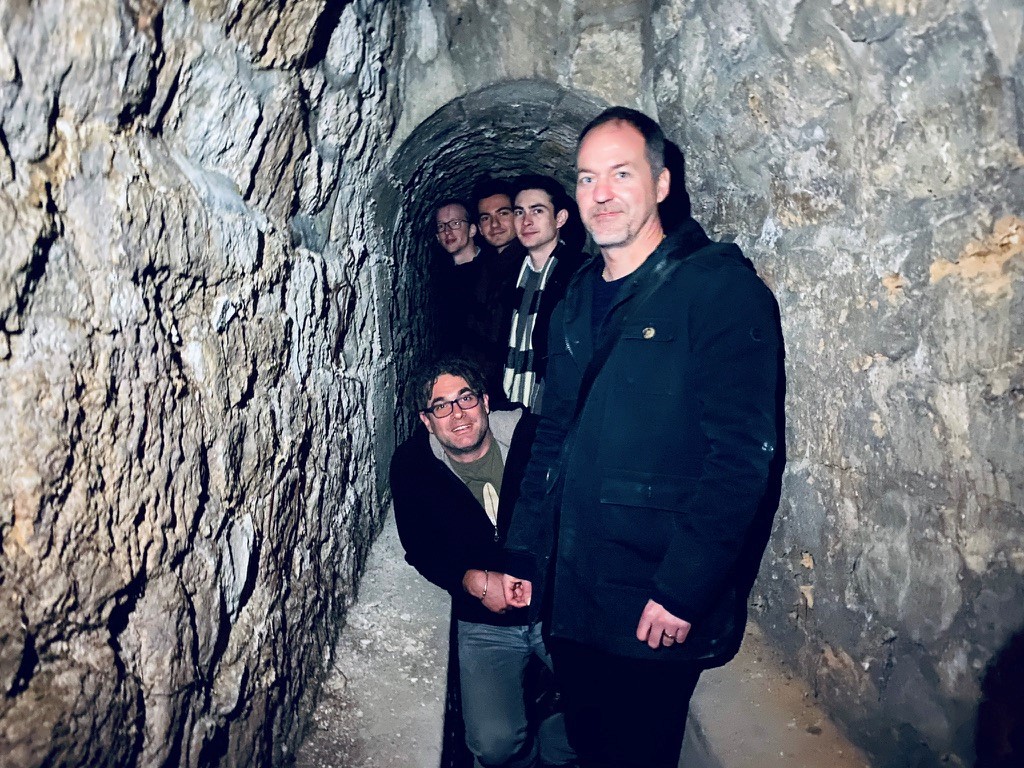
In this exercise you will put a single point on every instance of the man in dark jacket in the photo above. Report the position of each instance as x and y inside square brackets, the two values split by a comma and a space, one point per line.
[501, 255]
[454, 484]
[541, 210]
[642, 516]
[460, 304]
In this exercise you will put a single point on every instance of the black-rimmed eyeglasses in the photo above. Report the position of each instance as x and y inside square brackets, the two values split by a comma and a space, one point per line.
[466, 402]
[455, 225]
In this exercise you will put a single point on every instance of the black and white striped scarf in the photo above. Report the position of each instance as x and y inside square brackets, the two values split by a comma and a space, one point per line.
[520, 380]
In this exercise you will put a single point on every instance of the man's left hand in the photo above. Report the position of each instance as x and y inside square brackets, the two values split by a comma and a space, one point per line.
[658, 627]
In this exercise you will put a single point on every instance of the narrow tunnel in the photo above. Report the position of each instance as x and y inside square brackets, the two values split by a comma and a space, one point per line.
[214, 238]
[501, 131]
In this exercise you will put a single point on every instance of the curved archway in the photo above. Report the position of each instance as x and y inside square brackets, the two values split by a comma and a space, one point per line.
[521, 126]
[503, 130]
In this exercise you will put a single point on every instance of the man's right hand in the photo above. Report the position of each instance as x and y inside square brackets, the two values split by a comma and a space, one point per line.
[517, 591]
[487, 587]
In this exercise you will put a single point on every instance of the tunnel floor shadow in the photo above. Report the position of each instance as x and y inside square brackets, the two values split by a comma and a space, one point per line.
[1000, 730]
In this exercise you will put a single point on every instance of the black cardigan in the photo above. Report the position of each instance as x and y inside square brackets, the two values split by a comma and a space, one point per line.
[442, 526]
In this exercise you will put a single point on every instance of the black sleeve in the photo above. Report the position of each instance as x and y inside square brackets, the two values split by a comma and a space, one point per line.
[736, 337]
[430, 546]
[515, 467]
[531, 536]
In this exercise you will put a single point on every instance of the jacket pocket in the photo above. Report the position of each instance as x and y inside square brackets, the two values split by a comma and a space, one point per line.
[652, 330]
[663, 492]
[638, 516]
[650, 358]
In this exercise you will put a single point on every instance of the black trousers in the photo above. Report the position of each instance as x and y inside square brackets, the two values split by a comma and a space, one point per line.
[622, 712]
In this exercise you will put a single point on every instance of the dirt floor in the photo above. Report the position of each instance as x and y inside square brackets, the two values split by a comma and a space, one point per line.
[383, 703]
[384, 699]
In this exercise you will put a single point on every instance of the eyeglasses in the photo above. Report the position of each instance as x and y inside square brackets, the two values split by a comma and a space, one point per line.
[455, 225]
[466, 402]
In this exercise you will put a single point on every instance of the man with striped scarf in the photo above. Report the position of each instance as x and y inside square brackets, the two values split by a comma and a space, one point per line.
[541, 209]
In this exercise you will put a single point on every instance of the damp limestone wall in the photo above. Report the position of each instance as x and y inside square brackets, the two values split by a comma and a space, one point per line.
[195, 356]
[214, 237]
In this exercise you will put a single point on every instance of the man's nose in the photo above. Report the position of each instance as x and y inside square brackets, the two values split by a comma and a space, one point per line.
[457, 412]
[602, 191]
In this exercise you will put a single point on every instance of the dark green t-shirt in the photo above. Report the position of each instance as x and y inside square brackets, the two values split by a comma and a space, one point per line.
[478, 475]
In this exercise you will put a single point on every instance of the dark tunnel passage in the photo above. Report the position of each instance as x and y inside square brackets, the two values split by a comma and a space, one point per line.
[502, 131]
[525, 126]
[215, 248]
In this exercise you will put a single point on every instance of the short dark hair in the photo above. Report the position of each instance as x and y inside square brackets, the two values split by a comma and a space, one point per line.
[428, 375]
[661, 153]
[489, 187]
[654, 137]
[452, 201]
[559, 198]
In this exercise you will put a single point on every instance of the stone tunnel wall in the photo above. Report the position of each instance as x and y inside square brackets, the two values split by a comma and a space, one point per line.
[210, 215]
[196, 367]
[867, 154]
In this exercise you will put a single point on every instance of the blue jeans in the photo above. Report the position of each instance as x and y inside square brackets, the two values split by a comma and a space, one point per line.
[492, 663]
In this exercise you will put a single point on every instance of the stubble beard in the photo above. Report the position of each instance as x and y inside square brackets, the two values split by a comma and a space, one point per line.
[499, 246]
[613, 239]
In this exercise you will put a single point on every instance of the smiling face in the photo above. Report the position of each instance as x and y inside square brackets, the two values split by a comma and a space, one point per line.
[454, 232]
[536, 221]
[494, 214]
[464, 435]
[616, 189]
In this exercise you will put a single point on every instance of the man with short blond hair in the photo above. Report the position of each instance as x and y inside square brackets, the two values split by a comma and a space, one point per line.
[461, 310]
[455, 231]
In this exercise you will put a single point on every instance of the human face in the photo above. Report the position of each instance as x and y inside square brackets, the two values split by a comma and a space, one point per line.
[616, 190]
[495, 216]
[536, 221]
[456, 236]
[464, 435]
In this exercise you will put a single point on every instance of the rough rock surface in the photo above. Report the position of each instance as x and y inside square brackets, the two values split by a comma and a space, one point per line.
[867, 155]
[194, 356]
[213, 228]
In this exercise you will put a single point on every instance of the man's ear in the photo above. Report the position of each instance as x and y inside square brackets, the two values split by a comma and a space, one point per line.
[426, 422]
[487, 404]
[472, 230]
[664, 183]
[561, 217]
